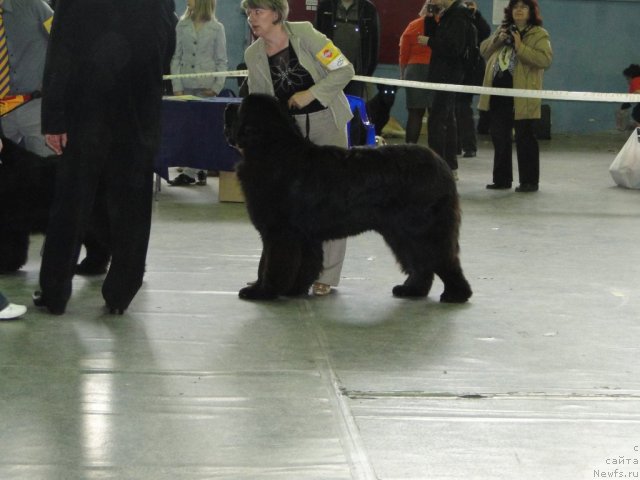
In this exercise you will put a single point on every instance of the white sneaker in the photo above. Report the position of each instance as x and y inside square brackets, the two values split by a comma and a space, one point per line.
[12, 311]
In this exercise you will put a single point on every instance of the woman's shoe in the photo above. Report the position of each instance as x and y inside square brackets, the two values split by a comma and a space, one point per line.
[321, 289]
[527, 187]
[182, 180]
[40, 301]
[202, 178]
[12, 311]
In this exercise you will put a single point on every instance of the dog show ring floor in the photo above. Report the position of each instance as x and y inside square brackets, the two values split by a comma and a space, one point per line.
[537, 377]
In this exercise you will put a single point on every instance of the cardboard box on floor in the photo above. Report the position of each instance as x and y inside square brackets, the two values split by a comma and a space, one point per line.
[229, 188]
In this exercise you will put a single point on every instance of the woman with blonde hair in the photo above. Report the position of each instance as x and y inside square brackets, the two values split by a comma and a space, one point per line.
[201, 46]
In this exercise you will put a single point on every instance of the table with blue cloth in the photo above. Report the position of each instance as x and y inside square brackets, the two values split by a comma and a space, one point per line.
[193, 135]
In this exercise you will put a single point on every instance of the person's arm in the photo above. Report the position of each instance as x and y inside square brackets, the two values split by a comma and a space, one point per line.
[339, 71]
[537, 53]
[178, 88]
[374, 41]
[324, 17]
[405, 48]
[491, 44]
[482, 27]
[220, 58]
[58, 68]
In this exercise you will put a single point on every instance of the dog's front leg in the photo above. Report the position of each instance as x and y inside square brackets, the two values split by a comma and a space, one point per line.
[279, 265]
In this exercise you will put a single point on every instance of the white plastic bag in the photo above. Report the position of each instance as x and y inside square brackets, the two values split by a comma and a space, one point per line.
[625, 169]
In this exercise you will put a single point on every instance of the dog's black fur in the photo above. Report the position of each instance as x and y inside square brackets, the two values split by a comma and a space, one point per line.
[299, 194]
[379, 107]
[27, 186]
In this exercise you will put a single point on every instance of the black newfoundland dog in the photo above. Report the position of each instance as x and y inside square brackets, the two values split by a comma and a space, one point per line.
[299, 194]
[27, 185]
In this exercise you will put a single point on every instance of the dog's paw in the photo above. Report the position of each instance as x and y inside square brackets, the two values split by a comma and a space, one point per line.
[460, 296]
[254, 292]
[409, 291]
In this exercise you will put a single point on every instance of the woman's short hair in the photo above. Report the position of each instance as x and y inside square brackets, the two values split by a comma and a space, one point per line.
[281, 7]
[534, 12]
[632, 71]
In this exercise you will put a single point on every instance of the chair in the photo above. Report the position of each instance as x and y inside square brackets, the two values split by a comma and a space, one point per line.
[361, 130]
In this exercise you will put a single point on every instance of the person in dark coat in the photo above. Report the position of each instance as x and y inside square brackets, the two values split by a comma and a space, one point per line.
[102, 98]
[467, 141]
[354, 27]
[448, 46]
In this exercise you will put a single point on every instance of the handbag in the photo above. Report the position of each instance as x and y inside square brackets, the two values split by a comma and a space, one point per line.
[625, 169]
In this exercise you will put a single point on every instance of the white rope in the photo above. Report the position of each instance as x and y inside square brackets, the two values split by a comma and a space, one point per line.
[505, 92]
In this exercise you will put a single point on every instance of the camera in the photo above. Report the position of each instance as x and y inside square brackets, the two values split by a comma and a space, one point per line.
[510, 31]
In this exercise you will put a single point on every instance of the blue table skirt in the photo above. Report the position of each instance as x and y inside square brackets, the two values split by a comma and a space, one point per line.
[192, 136]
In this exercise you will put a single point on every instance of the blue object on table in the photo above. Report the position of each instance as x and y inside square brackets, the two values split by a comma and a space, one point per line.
[358, 105]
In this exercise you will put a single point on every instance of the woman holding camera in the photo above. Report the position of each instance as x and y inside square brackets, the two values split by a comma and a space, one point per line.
[517, 55]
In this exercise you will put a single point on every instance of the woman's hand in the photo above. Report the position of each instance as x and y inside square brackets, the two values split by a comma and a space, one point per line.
[503, 35]
[209, 93]
[517, 39]
[300, 99]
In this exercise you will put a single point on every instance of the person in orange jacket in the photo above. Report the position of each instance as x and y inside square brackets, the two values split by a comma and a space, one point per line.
[415, 56]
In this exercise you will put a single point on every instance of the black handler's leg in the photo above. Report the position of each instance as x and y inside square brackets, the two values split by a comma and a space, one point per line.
[129, 204]
[75, 190]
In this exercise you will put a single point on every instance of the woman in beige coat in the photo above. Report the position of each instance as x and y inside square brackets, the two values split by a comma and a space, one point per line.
[300, 66]
[517, 55]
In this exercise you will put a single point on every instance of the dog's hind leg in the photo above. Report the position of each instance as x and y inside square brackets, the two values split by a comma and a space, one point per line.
[417, 284]
[456, 287]
[414, 261]
[309, 270]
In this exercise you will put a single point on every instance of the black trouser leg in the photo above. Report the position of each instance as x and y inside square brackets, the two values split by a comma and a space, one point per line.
[528, 152]
[442, 132]
[129, 200]
[466, 125]
[501, 125]
[76, 184]
[414, 124]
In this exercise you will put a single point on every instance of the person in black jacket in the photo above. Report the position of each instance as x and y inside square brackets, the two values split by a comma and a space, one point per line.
[102, 98]
[448, 46]
[467, 141]
[354, 27]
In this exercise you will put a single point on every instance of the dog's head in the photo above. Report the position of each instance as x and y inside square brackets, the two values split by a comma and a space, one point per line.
[258, 121]
[387, 94]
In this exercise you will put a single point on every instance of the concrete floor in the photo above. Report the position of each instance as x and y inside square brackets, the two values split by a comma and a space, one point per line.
[536, 378]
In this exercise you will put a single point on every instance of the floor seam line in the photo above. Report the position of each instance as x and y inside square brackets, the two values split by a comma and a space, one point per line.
[359, 462]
